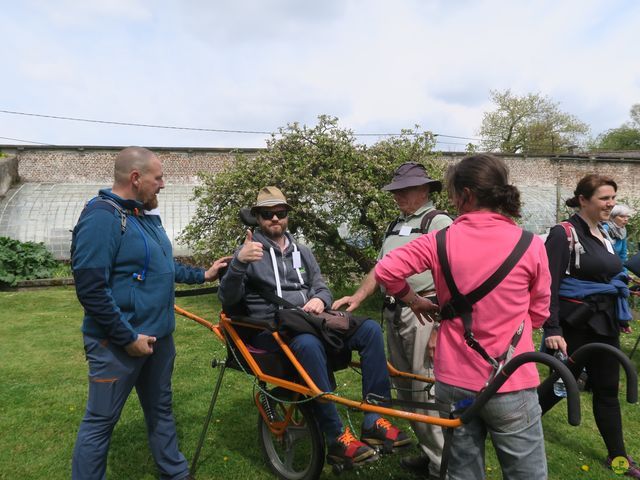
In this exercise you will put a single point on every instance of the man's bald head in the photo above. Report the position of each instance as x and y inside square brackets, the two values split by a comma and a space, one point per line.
[130, 159]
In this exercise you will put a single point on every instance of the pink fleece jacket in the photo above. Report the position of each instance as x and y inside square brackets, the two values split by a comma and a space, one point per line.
[477, 243]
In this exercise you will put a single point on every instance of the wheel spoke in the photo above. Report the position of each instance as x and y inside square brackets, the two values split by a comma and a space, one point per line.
[297, 433]
[289, 455]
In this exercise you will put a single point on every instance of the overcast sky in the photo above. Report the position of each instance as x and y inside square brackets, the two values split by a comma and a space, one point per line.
[379, 65]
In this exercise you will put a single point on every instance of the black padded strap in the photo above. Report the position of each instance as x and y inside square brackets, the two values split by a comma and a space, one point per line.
[494, 280]
[462, 305]
[501, 273]
[425, 223]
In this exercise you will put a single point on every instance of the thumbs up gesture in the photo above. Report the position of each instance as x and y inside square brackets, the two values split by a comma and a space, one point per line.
[250, 251]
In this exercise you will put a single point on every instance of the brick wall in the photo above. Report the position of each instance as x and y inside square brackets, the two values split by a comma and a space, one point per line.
[181, 166]
[95, 164]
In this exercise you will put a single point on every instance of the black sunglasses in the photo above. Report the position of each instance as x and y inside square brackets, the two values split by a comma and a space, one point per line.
[268, 214]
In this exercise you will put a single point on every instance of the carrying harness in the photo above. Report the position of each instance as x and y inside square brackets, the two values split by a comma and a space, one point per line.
[103, 202]
[391, 302]
[462, 305]
[425, 223]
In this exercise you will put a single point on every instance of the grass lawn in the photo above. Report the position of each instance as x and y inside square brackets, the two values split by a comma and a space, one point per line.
[43, 390]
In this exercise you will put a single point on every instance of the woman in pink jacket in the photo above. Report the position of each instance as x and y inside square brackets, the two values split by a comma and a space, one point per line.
[477, 243]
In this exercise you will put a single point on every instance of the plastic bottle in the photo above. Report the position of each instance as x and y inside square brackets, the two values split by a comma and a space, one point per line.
[559, 388]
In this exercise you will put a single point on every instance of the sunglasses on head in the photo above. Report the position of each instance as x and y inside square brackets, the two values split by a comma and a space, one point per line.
[268, 214]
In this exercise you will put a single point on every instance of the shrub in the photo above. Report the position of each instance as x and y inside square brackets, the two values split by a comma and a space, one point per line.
[24, 261]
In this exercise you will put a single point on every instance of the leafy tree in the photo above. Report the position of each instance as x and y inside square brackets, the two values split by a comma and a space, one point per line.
[635, 115]
[333, 184]
[530, 124]
[625, 137]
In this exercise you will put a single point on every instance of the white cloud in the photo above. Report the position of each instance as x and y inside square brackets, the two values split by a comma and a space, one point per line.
[255, 65]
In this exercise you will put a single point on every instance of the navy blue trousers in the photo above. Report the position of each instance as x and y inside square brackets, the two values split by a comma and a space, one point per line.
[112, 376]
[310, 352]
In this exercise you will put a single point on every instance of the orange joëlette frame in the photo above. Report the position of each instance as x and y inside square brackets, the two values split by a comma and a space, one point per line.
[309, 388]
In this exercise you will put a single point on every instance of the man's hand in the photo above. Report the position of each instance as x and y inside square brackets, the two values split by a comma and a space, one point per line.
[315, 305]
[422, 308]
[251, 251]
[141, 347]
[367, 288]
[352, 302]
[556, 342]
[212, 274]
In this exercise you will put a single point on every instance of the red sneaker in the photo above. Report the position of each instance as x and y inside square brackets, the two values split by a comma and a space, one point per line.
[349, 450]
[384, 434]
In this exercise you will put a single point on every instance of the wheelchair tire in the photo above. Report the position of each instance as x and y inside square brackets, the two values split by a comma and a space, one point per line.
[298, 454]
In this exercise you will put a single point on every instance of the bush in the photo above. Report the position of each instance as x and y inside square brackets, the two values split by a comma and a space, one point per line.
[24, 261]
[333, 184]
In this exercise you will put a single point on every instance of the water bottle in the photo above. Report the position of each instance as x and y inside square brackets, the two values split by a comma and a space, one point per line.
[559, 388]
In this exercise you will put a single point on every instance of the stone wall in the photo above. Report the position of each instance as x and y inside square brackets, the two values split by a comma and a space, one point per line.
[181, 166]
[95, 164]
[8, 173]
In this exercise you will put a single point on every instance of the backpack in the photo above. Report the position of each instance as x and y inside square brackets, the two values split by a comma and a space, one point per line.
[102, 202]
[425, 223]
[574, 244]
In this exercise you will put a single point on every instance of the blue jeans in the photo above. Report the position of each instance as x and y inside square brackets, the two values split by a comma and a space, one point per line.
[367, 340]
[112, 376]
[513, 422]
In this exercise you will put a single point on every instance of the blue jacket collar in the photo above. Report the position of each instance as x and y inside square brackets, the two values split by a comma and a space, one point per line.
[125, 203]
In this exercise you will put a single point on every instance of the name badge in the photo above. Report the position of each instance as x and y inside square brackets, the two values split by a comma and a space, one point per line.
[297, 260]
[405, 231]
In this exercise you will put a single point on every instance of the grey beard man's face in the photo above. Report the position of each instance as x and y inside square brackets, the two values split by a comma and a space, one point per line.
[151, 204]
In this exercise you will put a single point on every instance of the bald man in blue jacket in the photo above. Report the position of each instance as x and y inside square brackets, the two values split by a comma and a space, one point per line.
[125, 276]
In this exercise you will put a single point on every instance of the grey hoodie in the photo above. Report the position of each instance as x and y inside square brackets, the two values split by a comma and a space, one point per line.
[240, 283]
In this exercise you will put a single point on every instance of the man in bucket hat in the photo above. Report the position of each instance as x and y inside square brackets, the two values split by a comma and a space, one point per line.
[411, 344]
[270, 260]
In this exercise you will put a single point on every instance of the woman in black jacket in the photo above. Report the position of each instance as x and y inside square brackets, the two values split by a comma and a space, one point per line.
[581, 261]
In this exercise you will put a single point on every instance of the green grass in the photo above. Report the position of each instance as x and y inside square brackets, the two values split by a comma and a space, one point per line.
[43, 392]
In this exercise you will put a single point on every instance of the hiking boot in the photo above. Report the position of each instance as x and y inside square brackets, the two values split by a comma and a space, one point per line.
[349, 450]
[384, 434]
[632, 471]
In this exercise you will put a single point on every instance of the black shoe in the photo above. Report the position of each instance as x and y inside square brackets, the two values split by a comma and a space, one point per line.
[416, 463]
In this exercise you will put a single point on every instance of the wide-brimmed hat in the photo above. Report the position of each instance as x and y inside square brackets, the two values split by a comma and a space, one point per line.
[270, 197]
[412, 174]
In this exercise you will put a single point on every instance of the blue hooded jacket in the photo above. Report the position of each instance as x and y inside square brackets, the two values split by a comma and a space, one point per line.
[571, 287]
[105, 259]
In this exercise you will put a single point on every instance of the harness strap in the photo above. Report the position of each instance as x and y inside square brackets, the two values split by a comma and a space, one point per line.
[425, 223]
[462, 305]
[104, 202]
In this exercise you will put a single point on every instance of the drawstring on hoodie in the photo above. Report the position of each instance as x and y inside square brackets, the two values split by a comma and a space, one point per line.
[274, 263]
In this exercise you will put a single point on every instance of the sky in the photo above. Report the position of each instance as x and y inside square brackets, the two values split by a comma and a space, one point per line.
[256, 65]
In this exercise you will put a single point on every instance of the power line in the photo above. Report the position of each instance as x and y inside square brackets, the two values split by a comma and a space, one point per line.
[197, 129]
[28, 141]
[129, 124]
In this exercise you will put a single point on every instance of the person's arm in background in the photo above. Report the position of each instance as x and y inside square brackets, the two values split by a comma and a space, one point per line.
[191, 275]
[540, 288]
[399, 264]
[365, 290]
[558, 254]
